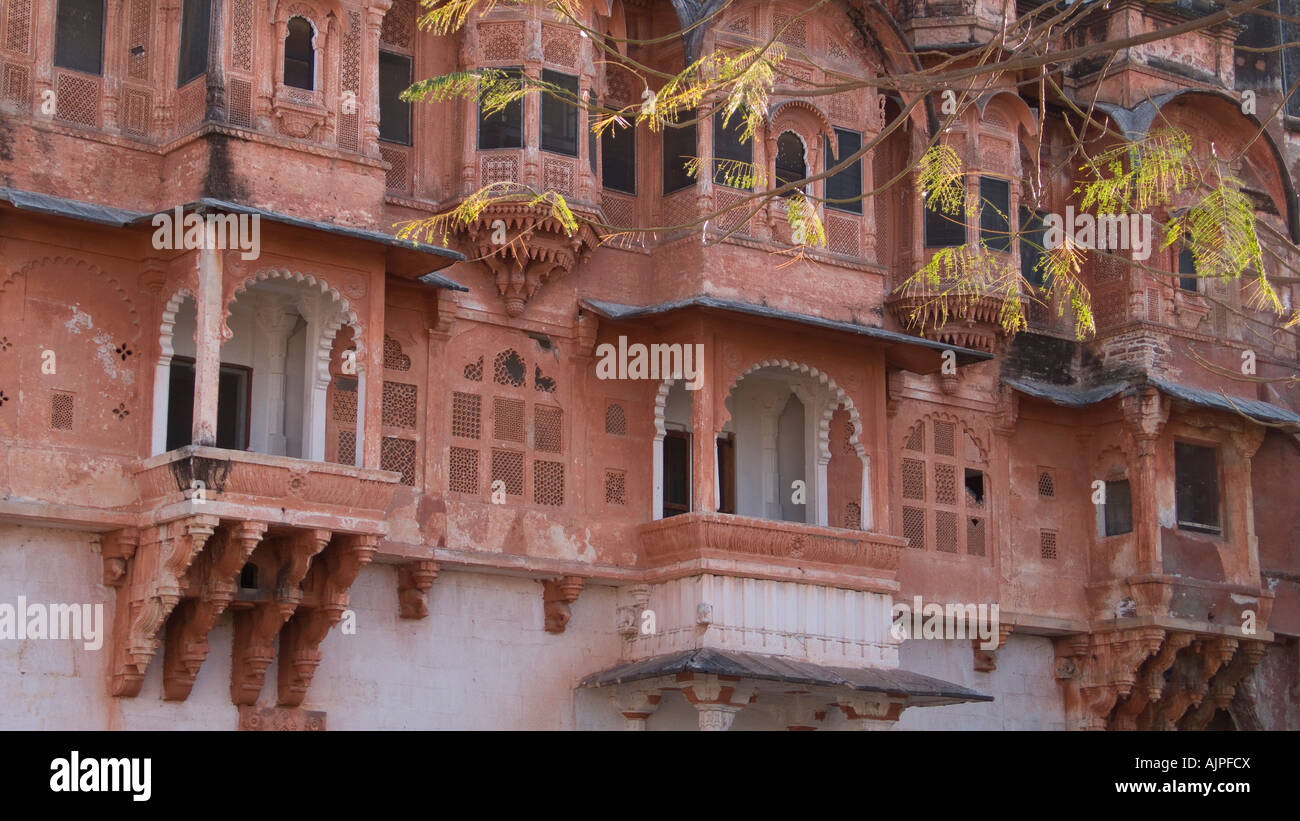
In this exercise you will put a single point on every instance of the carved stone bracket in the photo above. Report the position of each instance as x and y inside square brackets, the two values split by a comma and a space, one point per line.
[1107, 666]
[413, 582]
[216, 574]
[327, 583]
[117, 549]
[256, 628]
[149, 589]
[636, 706]
[986, 661]
[1224, 685]
[537, 247]
[557, 595]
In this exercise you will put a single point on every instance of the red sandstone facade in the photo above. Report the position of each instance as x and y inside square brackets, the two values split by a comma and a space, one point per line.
[343, 415]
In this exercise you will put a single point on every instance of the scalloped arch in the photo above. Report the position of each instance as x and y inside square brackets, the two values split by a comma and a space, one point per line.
[823, 426]
[956, 419]
[344, 316]
[94, 270]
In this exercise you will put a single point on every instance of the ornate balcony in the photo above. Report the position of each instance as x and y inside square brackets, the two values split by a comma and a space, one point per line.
[964, 320]
[253, 486]
[719, 542]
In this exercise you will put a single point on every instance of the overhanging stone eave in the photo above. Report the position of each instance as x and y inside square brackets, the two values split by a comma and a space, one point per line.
[919, 690]
[911, 353]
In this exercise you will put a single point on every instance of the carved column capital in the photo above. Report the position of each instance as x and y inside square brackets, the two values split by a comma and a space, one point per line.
[413, 582]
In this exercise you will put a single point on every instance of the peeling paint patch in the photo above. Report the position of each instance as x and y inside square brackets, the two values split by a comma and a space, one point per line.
[80, 320]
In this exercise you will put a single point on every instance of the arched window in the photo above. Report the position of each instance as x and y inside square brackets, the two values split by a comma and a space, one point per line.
[299, 56]
[791, 164]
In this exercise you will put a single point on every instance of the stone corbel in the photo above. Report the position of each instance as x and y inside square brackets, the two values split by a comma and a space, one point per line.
[1107, 671]
[1151, 683]
[413, 582]
[986, 661]
[256, 628]
[328, 583]
[116, 551]
[874, 711]
[216, 573]
[717, 700]
[557, 595]
[1224, 685]
[629, 613]
[636, 706]
[149, 591]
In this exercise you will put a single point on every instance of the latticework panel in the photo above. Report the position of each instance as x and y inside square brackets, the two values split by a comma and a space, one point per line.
[945, 484]
[680, 208]
[914, 479]
[399, 405]
[345, 405]
[347, 447]
[548, 482]
[239, 102]
[943, 438]
[508, 468]
[466, 415]
[853, 516]
[508, 368]
[399, 24]
[399, 455]
[135, 112]
[61, 407]
[1046, 486]
[508, 419]
[548, 424]
[615, 487]
[398, 176]
[615, 420]
[916, 440]
[619, 209]
[241, 35]
[15, 84]
[494, 168]
[501, 42]
[394, 359]
[844, 235]
[462, 474]
[975, 533]
[1047, 544]
[77, 99]
[560, 46]
[137, 55]
[945, 531]
[734, 220]
[558, 175]
[191, 101]
[914, 527]
[18, 26]
[474, 370]
[791, 31]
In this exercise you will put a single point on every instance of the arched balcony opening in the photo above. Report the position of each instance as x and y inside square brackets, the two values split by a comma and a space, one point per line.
[300, 55]
[791, 161]
[672, 450]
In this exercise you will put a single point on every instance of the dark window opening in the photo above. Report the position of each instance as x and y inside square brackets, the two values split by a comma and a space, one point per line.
[79, 35]
[791, 164]
[618, 159]
[248, 577]
[593, 142]
[943, 230]
[505, 128]
[727, 473]
[233, 405]
[846, 186]
[1196, 487]
[677, 473]
[193, 60]
[680, 147]
[394, 114]
[299, 56]
[1032, 232]
[1118, 510]
[560, 114]
[727, 146]
[995, 214]
[974, 486]
[1187, 279]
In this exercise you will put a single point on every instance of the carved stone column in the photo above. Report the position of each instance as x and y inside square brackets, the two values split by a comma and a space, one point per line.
[210, 310]
[274, 325]
[1145, 415]
[717, 700]
[704, 447]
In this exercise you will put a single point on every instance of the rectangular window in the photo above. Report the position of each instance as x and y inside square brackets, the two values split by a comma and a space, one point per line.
[394, 114]
[679, 148]
[677, 473]
[504, 129]
[560, 114]
[233, 405]
[1290, 33]
[846, 186]
[1187, 280]
[79, 35]
[618, 159]
[995, 214]
[193, 58]
[1032, 232]
[1118, 509]
[944, 230]
[732, 159]
[1196, 487]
